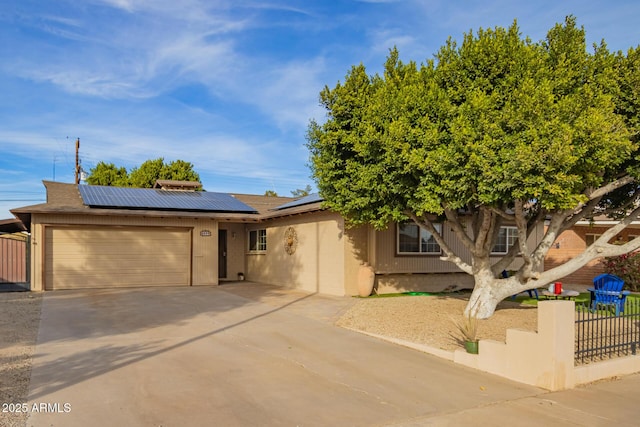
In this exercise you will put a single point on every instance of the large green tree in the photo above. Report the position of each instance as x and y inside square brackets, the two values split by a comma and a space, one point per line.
[143, 176]
[495, 130]
[146, 175]
[108, 174]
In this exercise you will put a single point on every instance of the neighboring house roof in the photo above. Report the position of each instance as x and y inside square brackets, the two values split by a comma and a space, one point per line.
[100, 200]
[263, 204]
[306, 200]
[10, 226]
[602, 222]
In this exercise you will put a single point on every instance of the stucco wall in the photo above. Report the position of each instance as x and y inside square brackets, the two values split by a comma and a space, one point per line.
[544, 358]
[356, 252]
[318, 263]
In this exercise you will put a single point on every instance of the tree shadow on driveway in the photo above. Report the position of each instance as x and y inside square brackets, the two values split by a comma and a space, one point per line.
[85, 340]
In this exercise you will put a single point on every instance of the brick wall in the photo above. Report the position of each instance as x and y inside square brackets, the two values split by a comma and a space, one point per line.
[573, 242]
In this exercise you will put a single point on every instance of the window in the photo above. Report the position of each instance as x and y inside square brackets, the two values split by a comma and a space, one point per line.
[591, 238]
[506, 238]
[257, 240]
[413, 239]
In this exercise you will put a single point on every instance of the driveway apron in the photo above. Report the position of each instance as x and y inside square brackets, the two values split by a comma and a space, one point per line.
[234, 356]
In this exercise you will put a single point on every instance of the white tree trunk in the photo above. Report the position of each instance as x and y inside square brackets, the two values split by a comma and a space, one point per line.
[489, 291]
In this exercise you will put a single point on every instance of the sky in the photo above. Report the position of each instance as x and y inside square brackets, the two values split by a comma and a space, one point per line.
[227, 85]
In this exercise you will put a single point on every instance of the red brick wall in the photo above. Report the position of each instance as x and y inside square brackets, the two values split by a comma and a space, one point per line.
[573, 242]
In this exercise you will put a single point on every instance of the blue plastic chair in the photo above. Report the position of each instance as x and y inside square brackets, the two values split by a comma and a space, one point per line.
[607, 292]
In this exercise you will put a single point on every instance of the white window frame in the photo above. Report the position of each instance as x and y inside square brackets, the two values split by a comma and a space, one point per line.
[257, 241]
[510, 235]
[426, 240]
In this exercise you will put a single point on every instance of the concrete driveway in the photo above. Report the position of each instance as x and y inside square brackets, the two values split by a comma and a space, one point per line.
[247, 355]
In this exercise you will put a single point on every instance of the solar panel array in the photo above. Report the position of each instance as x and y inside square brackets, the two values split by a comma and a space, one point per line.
[145, 198]
[306, 200]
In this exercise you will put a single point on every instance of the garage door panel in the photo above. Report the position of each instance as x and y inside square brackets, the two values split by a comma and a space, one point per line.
[86, 257]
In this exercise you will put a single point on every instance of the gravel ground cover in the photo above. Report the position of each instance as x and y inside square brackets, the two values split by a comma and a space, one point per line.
[431, 320]
[19, 321]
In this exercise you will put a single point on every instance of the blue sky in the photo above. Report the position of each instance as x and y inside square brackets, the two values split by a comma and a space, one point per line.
[227, 85]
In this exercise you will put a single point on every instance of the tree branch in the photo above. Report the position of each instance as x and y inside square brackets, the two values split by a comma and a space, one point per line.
[503, 214]
[458, 228]
[486, 230]
[606, 189]
[599, 249]
[505, 261]
[521, 224]
[450, 255]
[553, 231]
[579, 214]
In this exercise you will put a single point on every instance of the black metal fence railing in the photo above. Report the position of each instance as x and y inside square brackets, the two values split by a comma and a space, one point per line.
[601, 335]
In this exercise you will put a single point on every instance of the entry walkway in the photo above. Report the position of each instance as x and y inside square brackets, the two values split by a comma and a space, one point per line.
[257, 355]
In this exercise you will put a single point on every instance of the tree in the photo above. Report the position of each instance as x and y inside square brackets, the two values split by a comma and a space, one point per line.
[150, 171]
[144, 176]
[108, 174]
[497, 130]
[301, 192]
[270, 193]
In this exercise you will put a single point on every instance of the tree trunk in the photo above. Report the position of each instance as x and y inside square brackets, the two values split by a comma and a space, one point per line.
[489, 291]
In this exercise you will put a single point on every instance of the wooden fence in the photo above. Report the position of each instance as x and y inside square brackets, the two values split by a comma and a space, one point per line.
[13, 259]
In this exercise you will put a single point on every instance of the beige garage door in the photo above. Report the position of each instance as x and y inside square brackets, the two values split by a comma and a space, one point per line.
[105, 257]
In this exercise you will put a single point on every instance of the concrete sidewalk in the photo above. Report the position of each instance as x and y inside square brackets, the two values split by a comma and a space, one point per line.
[258, 355]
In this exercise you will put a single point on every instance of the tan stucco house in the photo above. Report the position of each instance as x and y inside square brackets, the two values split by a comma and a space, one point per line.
[104, 237]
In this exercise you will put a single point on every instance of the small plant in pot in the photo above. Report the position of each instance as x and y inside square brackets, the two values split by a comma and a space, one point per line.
[468, 328]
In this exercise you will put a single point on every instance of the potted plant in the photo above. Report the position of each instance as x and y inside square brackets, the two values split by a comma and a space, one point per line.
[468, 328]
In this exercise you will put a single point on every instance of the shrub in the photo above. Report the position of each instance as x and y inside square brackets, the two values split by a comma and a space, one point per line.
[626, 267]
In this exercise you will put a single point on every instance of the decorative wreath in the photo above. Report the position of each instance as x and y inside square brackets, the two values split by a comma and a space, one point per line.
[290, 240]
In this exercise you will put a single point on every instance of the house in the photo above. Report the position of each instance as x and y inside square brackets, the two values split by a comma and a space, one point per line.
[574, 241]
[103, 237]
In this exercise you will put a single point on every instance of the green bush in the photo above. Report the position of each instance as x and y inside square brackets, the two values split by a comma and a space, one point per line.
[627, 267]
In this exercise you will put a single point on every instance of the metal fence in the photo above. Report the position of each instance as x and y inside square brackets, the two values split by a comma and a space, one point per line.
[602, 335]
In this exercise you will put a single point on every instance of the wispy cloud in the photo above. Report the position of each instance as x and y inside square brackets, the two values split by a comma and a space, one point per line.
[228, 85]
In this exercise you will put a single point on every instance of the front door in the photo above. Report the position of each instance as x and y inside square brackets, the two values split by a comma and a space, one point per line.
[222, 254]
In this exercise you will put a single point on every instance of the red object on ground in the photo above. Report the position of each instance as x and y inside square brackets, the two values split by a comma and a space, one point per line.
[557, 288]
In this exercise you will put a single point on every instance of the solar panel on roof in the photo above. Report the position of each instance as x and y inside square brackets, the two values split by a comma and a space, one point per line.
[306, 200]
[145, 198]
